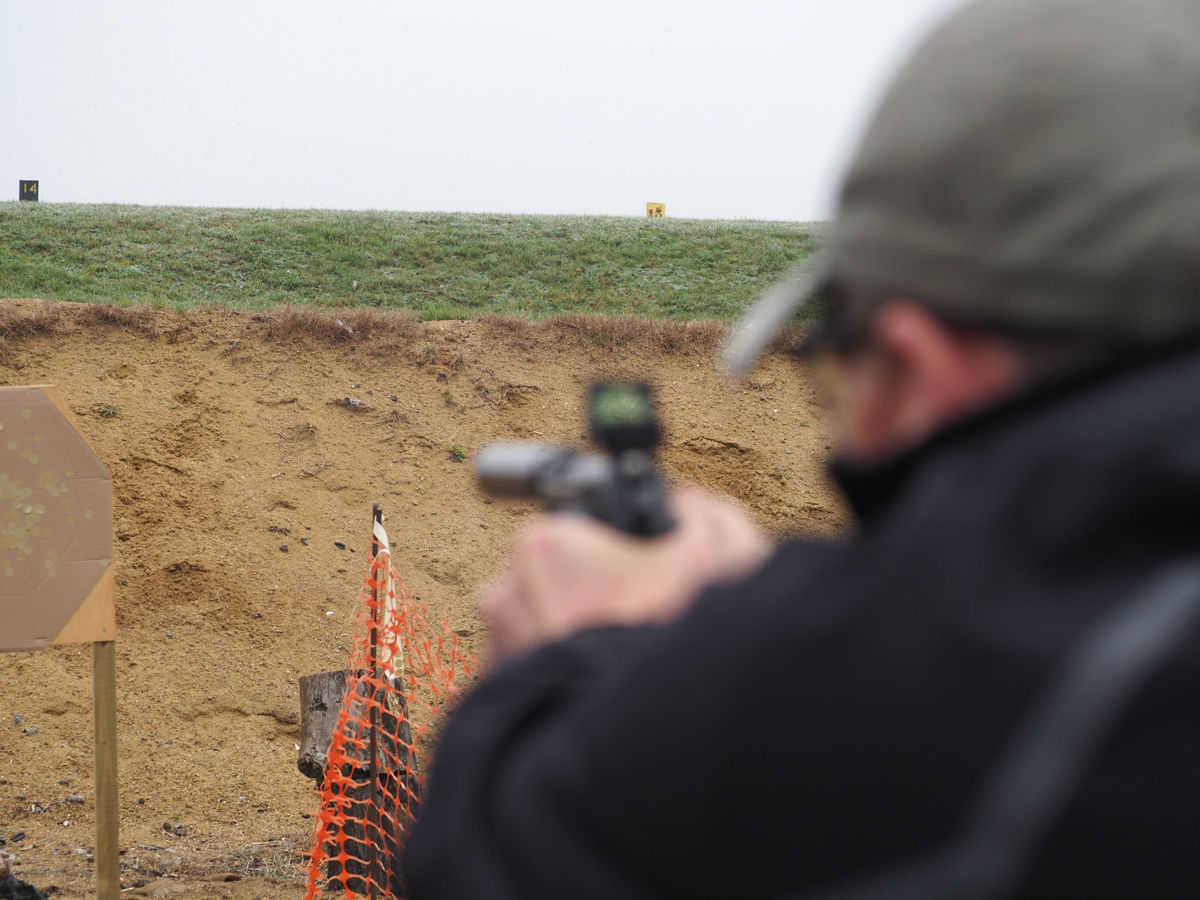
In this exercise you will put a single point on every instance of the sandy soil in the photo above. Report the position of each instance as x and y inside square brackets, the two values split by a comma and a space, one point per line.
[230, 444]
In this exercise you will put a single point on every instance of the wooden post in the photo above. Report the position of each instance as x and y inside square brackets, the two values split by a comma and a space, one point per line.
[377, 781]
[373, 667]
[321, 697]
[104, 716]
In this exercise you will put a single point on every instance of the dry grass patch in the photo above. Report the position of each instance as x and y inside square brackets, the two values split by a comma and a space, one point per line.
[381, 332]
[701, 336]
[789, 340]
[277, 860]
[291, 323]
[640, 331]
[613, 332]
[504, 322]
[106, 315]
[16, 322]
[513, 330]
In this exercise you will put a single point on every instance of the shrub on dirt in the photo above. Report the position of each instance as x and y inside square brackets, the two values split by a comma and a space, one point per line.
[108, 315]
[16, 322]
[641, 331]
[380, 331]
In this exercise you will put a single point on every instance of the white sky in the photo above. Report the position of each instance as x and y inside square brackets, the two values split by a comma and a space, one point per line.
[734, 109]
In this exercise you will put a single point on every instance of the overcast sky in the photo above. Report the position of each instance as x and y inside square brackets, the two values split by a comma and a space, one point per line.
[736, 109]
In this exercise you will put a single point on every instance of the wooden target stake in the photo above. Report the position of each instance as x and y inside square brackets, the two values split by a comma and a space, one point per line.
[104, 720]
[375, 811]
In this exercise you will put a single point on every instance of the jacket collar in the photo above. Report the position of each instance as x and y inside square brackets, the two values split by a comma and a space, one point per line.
[871, 488]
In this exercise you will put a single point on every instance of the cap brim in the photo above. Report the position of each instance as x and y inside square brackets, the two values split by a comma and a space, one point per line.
[768, 315]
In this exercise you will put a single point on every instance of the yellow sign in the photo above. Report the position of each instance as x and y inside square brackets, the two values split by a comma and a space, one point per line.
[656, 210]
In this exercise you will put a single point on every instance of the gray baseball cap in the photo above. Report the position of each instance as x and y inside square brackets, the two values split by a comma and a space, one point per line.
[1035, 166]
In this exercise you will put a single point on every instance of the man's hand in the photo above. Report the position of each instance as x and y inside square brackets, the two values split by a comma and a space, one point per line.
[569, 573]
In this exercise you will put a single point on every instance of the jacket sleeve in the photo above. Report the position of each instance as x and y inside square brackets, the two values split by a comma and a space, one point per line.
[718, 756]
[504, 814]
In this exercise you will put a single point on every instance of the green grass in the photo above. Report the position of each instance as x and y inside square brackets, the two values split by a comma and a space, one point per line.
[436, 265]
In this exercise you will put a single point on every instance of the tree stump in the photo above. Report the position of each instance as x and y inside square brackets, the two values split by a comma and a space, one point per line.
[321, 699]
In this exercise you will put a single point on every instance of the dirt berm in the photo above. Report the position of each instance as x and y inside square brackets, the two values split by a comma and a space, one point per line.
[238, 469]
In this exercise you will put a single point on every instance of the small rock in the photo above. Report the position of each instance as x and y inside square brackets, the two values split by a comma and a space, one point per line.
[32, 729]
[283, 548]
[75, 798]
[16, 838]
[82, 851]
[170, 634]
[339, 545]
[304, 541]
[393, 398]
[17, 720]
[141, 801]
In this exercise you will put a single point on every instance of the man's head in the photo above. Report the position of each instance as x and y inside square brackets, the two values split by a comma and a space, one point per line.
[909, 374]
[1031, 179]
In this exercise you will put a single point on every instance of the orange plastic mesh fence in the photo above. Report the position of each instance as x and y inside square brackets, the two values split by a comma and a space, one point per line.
[404, 675]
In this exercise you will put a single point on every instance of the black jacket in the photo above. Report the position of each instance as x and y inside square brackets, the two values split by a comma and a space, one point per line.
[990, 691]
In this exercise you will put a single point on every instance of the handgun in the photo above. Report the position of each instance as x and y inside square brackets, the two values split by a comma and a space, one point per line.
[621, 487]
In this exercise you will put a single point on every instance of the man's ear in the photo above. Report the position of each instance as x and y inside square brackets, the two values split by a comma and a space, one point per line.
[940, 373]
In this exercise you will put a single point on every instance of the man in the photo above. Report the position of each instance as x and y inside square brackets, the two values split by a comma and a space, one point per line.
[990, 690]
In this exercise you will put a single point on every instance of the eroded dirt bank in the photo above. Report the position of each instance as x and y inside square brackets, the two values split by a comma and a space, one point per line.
[228, 441]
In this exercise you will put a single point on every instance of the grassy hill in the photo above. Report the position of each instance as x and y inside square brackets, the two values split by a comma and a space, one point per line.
[436, 265]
